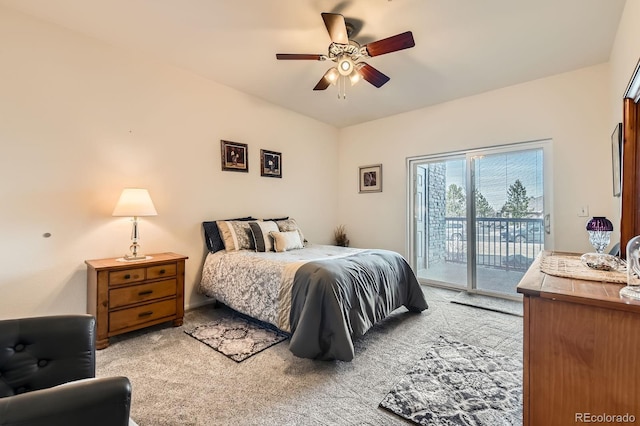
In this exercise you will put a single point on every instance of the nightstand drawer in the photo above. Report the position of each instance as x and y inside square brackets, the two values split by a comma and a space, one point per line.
[161, 271]
[141, 293]
[132, 317]
[126, 276]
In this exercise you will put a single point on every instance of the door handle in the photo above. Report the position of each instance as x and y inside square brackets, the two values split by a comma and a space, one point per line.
[547, 223]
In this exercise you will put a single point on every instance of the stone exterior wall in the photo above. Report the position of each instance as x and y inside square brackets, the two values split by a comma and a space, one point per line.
[436, 212]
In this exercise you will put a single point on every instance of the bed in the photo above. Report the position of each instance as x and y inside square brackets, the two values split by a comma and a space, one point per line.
[322, 295]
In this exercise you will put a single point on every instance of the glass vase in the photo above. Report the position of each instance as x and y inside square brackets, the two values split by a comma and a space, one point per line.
[632, 290]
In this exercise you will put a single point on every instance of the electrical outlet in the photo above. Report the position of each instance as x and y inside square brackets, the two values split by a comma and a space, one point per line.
[583, 211]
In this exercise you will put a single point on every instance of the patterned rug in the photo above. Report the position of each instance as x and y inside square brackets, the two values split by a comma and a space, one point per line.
[459, 384]
[236, 337]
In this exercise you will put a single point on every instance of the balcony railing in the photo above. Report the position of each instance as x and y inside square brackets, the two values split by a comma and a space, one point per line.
[504, 243]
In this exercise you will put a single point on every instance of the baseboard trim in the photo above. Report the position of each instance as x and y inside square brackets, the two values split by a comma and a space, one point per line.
[192, 306]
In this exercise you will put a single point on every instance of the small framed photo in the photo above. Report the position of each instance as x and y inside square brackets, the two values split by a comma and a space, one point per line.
[616, 157]
[370, 178]
[270, 163]
[234, 156]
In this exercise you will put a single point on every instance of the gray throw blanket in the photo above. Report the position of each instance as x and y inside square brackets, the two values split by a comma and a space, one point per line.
[335, 299]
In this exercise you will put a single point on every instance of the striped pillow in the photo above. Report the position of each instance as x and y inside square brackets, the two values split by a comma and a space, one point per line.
[235, 234]
[260, 231]
[212, 233]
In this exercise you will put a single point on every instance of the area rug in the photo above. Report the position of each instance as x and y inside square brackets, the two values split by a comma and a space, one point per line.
[236, 337]
[459, 384]
[490, 303]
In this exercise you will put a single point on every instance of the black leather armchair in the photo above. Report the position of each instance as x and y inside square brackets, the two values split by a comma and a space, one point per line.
[43, 362]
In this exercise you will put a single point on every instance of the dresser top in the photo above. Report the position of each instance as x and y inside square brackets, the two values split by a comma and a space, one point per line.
[598, 293]
[118, 262]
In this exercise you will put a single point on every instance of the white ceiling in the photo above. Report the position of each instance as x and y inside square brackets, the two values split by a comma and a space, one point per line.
[463, 47]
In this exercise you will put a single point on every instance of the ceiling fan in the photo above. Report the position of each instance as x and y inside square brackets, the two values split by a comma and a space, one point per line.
[348, 54]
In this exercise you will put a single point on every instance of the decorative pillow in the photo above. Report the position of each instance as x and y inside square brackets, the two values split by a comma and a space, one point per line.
[261, 238]
[235, 234]
[290, 225]
[284, 241]
[212, 234]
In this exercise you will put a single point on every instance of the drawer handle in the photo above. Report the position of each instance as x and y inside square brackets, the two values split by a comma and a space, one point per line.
[145, 314]
[126, 277]
[162, 271]
[145, 292]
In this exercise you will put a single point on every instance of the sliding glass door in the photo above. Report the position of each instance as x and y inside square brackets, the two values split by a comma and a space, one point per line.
[478, 218]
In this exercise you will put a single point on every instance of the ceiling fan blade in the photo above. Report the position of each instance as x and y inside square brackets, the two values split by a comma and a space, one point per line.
[372, 75]
[336, 27]
[327, 79]
[391, 44]
[305, 56]
[322, 84]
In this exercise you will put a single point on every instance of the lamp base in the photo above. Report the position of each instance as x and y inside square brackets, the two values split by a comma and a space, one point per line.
[130, 258]
[136, 257]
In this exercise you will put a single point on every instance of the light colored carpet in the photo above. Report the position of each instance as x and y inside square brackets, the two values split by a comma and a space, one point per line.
[491, 303]
[177, 380]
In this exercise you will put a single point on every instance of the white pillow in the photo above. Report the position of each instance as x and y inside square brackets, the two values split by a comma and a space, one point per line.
[284, 241]
[290, 224]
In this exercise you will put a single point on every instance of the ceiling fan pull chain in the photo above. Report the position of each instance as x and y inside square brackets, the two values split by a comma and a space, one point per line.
[342, 84]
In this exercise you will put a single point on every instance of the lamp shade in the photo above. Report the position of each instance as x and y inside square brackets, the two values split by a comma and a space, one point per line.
[134, 202]
[599, 223]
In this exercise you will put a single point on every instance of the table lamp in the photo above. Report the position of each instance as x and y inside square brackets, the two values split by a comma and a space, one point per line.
[134, 202]
[599, 229]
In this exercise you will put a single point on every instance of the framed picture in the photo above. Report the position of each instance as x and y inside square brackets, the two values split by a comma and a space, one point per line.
[270, 163]
[616, 158]
[234, 156]
[370, 178]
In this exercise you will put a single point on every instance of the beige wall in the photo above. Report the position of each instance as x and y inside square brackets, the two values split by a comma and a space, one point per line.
[80, 120]
[624, 57]
[571, 109]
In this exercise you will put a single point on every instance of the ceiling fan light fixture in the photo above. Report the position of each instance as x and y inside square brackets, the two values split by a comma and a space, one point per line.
[345, 65]
[355, 77]
[332, 75]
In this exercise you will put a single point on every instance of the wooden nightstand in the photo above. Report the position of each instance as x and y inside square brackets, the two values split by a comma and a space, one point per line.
[128, 295]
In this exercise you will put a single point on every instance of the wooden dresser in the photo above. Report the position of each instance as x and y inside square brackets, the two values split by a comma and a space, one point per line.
[581, 351]
[129, 295]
